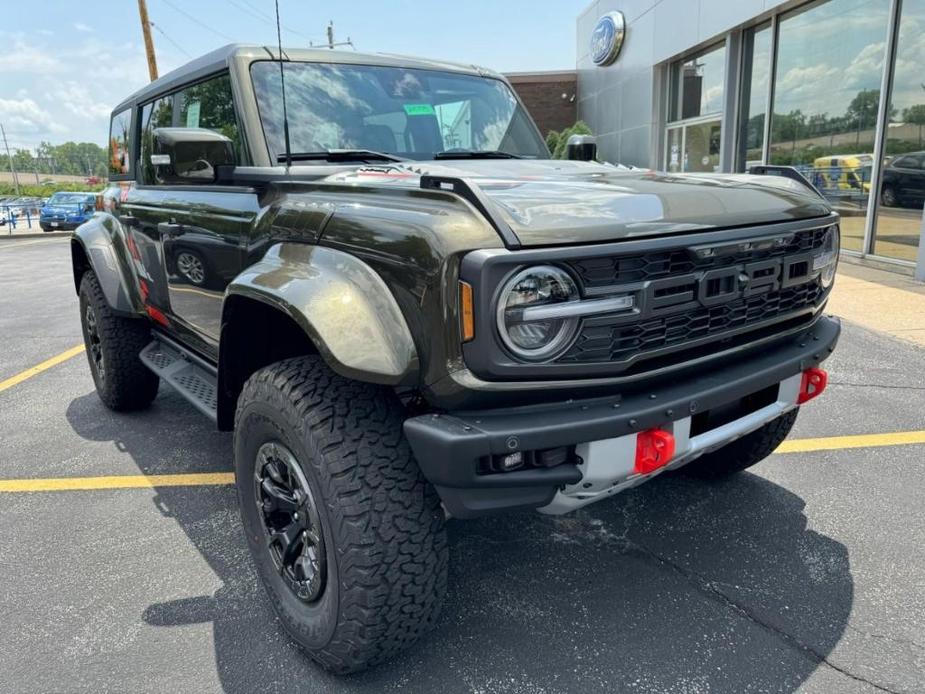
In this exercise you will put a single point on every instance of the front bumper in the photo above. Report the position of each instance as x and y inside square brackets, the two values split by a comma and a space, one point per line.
[450, 447]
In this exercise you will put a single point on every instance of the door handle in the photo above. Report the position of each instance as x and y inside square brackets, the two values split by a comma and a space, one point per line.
[170, 228]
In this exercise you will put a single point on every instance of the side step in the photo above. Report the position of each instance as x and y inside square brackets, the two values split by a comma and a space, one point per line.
[189, 375]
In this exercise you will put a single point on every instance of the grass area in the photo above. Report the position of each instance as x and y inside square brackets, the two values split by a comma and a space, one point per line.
[44, 191]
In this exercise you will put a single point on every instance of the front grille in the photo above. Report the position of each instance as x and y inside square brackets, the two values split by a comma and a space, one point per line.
[666, 285]
[595, 273]
[605, 343]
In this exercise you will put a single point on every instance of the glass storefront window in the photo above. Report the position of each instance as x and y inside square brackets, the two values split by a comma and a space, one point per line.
[902, 189]
[754, 96]
[698, 84]
[826, 96]
[696, 106]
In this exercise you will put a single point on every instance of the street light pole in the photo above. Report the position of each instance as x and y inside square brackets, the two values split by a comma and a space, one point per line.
[10, 158]
[149, 43]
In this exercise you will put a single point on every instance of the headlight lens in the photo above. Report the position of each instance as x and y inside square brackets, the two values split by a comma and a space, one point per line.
[536, 340]
[827, 260]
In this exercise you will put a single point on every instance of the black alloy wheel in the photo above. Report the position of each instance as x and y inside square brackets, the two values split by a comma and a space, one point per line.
[94, 345]
[291, 522]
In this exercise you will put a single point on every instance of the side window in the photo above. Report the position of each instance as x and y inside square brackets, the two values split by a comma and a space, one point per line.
[119, 137]
[210, 105]
[156, 114]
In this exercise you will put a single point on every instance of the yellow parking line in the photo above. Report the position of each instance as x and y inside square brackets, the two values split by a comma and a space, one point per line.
[836, 443]
[62, 484]
[39, 368]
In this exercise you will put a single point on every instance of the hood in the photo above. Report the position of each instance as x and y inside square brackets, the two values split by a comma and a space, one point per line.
[551, 202]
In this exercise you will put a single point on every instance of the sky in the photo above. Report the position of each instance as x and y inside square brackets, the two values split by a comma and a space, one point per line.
[65, 64]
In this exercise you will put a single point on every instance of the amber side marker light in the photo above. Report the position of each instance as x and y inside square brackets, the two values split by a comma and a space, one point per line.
[466, 311]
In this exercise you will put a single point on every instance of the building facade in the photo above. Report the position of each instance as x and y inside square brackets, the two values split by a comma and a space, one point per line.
[721, 85]
[550, 97]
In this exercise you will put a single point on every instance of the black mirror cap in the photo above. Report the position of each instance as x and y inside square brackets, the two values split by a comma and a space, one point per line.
[581, 147]
[195, 154]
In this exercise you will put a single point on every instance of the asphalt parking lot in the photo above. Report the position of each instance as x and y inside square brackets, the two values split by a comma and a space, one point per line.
[808, 575]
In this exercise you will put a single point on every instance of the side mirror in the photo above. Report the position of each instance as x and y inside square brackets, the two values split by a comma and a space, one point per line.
[581, 147]
[190, 155]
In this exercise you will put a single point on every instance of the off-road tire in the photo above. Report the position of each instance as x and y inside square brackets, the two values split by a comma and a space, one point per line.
[382, 523]
[125, 384]
[744, 452]
[888, 197]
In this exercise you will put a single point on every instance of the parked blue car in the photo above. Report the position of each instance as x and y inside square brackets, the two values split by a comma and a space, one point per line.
[66, 210]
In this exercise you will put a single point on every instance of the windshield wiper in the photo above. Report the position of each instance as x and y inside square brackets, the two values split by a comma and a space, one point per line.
[476, 154]
[341, 155]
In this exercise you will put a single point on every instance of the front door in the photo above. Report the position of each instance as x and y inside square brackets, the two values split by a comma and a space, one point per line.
[190, 237]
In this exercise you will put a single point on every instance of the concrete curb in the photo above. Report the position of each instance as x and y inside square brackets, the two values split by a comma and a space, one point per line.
[35, 235]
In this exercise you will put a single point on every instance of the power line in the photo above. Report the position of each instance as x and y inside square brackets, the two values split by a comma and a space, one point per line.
[269, 21]
[196, 21]
[175, 44]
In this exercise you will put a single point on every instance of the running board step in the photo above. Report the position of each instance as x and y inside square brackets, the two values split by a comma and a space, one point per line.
[184, 372]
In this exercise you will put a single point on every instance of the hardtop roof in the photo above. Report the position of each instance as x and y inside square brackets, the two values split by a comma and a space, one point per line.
[221, 58]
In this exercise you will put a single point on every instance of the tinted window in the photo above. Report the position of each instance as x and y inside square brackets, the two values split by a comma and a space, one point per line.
[907, 163]
[415, 113]
[157, 114]
[205, 105]
[210, 105]
[119, 130]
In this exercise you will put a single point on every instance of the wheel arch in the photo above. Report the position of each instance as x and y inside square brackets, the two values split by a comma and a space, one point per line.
[99, 246]
[302, 299]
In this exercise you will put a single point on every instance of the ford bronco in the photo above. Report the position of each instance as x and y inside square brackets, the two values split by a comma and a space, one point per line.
[369, 268]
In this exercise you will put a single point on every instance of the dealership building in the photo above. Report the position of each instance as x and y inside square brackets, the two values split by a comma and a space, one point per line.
[723, 85]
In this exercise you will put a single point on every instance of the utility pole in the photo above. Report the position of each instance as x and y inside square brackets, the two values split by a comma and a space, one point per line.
[331, 43]
[10, 157]
[149, 44]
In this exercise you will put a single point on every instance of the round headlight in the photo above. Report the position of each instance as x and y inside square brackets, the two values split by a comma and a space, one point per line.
[537, 335]
[827, 260]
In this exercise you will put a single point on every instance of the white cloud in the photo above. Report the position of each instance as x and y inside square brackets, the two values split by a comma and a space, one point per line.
[80, 26]
[27, 117]
[76, 98]
[23, 57]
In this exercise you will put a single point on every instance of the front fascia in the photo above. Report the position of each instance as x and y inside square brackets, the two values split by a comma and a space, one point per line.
[487, 271]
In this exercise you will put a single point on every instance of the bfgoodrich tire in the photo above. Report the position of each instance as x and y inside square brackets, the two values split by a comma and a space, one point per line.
[744, 452]
[347, 535]
[113, 344]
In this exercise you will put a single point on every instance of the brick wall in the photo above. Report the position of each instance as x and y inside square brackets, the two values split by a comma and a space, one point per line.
[542, 93]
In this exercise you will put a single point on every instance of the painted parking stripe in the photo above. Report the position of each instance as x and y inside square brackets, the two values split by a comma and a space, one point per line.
[63, 484]
[70, 484]
[39, 368]
[838, 443]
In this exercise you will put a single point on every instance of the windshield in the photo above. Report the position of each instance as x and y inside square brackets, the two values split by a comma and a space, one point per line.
[408, 112]
[69, 198]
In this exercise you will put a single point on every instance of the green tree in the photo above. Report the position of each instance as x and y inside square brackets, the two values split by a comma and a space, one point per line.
[557, 142]
[916, 115]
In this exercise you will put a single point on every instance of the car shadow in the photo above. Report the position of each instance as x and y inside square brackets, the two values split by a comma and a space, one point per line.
[678, 585]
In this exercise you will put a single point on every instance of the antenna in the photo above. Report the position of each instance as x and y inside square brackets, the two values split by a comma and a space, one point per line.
[282, 80]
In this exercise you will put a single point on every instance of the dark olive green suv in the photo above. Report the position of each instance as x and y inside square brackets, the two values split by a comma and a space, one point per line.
[406, 311]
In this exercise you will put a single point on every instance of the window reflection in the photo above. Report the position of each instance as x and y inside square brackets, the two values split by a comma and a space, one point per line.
[415, 113]
[902, 190]
[826, 96]
[755, 97]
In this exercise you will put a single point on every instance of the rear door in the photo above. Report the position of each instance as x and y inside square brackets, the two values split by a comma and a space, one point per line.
[192, 234]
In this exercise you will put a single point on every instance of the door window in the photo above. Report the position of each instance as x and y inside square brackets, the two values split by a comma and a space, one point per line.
[210, 105]
[119, 138]
[157, 114]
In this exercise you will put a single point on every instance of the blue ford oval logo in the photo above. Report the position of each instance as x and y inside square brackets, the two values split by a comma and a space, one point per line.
[607, 38]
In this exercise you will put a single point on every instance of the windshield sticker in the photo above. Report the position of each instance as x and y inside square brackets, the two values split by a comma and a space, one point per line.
[192, 115]
[419, 110]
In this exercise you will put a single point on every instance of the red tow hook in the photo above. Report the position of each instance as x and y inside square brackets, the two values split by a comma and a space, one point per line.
[654, 448]
[813, 383]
